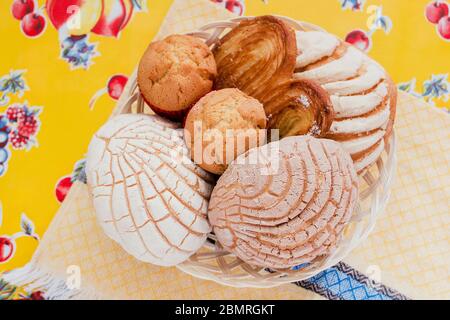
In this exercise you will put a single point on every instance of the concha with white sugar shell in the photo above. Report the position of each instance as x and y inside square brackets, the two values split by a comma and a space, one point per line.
[148, 195]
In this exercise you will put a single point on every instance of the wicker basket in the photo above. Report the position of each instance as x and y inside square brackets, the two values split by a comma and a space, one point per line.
[213, 263]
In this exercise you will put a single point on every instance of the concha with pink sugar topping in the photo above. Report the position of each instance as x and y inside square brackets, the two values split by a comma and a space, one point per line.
[287, 208]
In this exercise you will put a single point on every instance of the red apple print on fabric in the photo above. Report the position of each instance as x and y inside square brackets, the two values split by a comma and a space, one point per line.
[359, 39]
[7, 248]
[437, 13]
[8, 243]
[33, 24]
[116, 85]
[64, 184]
[444, 28]
[234, 6]
[113, 18]
[32, 21]
[376, 21]
[129, 9]
[114, 89]
[62, 188]
[20, 8]
[436, 10]
[78, 17]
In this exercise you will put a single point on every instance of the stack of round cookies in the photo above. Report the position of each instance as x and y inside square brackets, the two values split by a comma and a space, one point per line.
[258, 139]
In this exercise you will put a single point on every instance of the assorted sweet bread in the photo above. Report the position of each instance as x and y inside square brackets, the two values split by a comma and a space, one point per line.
[356, 87]
[161, 183]
[291, 216]
[362, 94]
[223, 125]
[175, 73]
[255, 56]
[148, 195]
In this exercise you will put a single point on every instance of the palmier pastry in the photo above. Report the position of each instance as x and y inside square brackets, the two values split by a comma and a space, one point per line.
[175, 73]
[257, 54]
[289, 207]
[362, 94]
[221, 126]
[147, 193]
[299, 107]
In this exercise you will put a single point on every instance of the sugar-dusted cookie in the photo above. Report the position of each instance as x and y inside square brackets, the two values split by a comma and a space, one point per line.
[286, 203]
[148, 195]
[175, 73]
[221, 126]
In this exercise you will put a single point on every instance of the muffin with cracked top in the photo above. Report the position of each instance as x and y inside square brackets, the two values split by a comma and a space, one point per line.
[221, 126]
[175, 73]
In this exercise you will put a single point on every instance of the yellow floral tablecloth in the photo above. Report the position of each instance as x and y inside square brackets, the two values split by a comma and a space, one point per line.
[49, 80]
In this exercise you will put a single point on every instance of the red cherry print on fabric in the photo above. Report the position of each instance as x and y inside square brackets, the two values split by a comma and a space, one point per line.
[33, 24]
[444, 27]
[359, 39]
[20, 8]
[62, 188]
[116, 85]
[436, 10]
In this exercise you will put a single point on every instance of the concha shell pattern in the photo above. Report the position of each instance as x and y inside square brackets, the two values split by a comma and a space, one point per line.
[148, 195]
[290, 216]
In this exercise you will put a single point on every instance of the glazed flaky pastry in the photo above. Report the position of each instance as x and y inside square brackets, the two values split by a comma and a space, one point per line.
[299, 107]
[257, 54]
[362, 94]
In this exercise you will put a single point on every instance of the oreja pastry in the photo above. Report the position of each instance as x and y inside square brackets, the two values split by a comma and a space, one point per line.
[299, 107]
[175, 73]
[289, 209]
[223, 125]
[148, 195]
[257, 54]
[362, 94]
